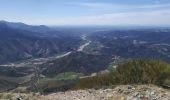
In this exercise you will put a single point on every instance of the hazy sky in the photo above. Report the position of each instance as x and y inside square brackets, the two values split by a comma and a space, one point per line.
[86, 12]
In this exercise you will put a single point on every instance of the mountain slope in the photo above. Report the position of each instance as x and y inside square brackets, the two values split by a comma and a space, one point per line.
[40, 28]
[17, 44]
[76, 62]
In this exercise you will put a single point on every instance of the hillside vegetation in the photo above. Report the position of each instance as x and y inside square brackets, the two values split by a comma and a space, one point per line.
[130, 72]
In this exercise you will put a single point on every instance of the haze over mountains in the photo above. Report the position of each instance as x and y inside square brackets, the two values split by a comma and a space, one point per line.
[34, 56]
[20, 41]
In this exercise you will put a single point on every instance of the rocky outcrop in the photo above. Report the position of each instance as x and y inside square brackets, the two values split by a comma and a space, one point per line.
[122, 92]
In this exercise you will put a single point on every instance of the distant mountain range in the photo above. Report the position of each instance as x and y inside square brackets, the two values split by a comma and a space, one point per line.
[19, 41]
[19, 25]
[134, 43]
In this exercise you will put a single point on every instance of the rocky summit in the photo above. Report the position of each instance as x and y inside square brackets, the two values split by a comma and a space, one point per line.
[121, 92]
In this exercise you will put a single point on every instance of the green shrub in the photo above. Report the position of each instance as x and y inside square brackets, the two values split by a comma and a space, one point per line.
[141, 72]
[166, 82]
[1, 96]
[93, 82]
[8, 97]
[130, 72]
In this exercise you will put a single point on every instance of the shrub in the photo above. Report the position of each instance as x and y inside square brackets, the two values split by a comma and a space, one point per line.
[141, 71]
[130, 72]
[1, 96]
[94, 82]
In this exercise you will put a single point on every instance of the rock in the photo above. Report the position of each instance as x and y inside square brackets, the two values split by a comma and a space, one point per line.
[122, 98]
[136, 94]
[129, 97]
[109, 95]
[126, 92]
[108, 90]
[18, 97]
[152, 93]
[123, 92]
[130, 87]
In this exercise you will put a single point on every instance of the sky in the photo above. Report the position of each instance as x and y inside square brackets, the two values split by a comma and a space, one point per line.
[86, 12]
